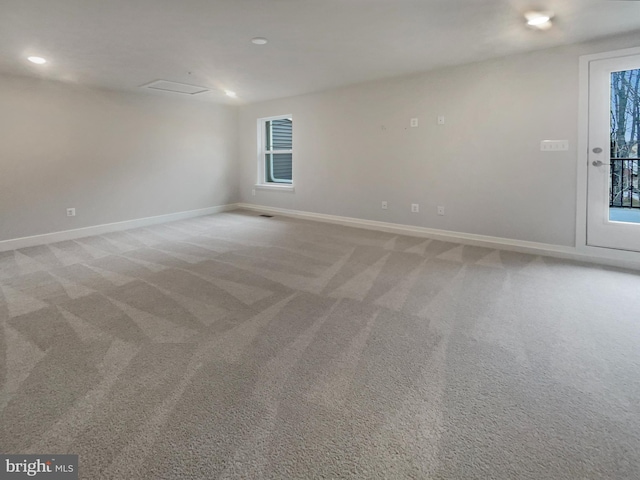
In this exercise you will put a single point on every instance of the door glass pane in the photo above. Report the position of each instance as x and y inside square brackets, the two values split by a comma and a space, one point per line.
[624, 191]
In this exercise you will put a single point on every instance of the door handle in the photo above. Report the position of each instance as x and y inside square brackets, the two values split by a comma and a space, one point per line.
[598, 163]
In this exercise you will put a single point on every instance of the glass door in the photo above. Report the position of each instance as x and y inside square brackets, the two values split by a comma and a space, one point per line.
[613, 216]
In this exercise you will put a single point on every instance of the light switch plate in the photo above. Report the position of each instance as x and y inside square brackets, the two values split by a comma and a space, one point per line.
[554, 145]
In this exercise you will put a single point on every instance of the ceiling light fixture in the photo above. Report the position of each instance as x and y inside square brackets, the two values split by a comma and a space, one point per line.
[37, 60]
[230, 93]
[539, 20]
[259, 41]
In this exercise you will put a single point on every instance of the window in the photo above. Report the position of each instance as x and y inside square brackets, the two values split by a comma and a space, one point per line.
[276, 155]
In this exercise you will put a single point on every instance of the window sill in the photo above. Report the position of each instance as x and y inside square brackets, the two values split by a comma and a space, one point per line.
[275, 187]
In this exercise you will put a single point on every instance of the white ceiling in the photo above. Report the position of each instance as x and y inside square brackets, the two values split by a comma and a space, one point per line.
[313, 44]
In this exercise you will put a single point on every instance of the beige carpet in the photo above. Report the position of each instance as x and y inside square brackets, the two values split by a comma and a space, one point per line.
[237, 346]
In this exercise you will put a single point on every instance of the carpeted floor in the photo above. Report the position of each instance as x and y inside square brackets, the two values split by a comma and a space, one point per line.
[237, 346]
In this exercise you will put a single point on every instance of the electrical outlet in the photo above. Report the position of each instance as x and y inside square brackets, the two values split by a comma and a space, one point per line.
[415, 208]
[253, 192]
[71, 212]
[414, 122]
[440, 210]
[384, 205]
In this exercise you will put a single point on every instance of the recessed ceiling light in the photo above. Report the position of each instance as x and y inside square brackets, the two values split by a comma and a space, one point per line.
[259, 41]
[230, 93]
[539, 20]
[37, 60]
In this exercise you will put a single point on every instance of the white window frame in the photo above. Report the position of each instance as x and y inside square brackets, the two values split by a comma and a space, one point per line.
[263, 152]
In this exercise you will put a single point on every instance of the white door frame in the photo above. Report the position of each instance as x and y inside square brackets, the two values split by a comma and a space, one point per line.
[582, 166]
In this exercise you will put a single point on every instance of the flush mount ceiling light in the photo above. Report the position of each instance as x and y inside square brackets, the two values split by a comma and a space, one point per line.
[231, 94]
[37, 60]
[259, 41]
[539, 20]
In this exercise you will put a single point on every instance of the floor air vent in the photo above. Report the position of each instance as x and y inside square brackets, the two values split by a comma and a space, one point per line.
[175, 87]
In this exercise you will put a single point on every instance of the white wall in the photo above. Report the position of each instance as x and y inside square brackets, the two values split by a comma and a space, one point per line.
[118, 156]
[113, 156]
[353, 147]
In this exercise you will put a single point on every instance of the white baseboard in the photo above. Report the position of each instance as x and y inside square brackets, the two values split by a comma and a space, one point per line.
[600, 256]
[34, 240]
